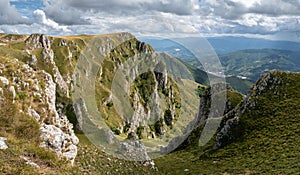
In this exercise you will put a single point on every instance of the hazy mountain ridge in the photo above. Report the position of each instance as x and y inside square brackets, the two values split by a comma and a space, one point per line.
[253, 63]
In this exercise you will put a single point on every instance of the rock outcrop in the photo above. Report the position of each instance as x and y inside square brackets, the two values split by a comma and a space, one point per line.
[231, 127]
[35, 93]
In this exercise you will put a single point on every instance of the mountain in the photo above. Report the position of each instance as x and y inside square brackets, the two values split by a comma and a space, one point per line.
[255, 62]
[37, 102]
[63, 97]
[223, 45]
[180, 51]
[242, 58]
[260, 135]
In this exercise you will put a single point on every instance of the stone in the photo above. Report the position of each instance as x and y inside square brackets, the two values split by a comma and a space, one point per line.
[34, 114]
[29, 162]
[134, 150]
[3, 145]
[62, 143]
[4, 81]
[13, 91]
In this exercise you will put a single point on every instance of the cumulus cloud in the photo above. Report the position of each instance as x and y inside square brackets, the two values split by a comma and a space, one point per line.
[276, 8]
[62, 13]
[161, 17]
[10, 15]
[227, 9]
[40, 18]
[234, 9]
[179, 7]
[70, 12]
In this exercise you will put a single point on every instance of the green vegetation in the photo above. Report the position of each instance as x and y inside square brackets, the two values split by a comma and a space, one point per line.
[139, 132]
[234, 98]
[23, 139]
[145, 84]
[269, 144]
[242, 86]
[201, 90]
[22, 95]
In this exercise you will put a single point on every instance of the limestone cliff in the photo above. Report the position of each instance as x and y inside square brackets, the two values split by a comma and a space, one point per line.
[34, 92]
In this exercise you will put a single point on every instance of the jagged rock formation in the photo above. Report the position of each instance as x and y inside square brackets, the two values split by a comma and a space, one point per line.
[35, 92]
[38, 41]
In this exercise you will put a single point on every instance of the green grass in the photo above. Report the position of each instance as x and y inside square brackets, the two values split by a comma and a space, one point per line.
[269, 145]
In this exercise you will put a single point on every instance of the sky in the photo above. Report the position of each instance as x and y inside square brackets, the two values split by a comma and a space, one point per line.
[269, 19]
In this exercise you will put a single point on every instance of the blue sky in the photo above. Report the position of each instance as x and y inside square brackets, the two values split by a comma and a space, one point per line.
[26, 7]
[270, 19]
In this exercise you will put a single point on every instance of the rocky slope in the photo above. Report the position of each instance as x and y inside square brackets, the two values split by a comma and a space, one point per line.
[34, 94]
[38, 75]
[260, 135]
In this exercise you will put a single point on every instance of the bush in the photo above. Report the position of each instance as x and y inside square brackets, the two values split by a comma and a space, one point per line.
[110, 104]
[22, 95]
[116, 131]
[139, 132]
[126, 127]
[168, 117]
[42, 84]
[157, 126]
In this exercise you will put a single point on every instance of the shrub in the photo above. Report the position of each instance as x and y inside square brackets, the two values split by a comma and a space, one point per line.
[116, 131]
[139, 131]
[42, 84]
[22, 95]
[110, 104]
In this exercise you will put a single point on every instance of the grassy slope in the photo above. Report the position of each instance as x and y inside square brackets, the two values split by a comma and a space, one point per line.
[269, 145]
[242, 86]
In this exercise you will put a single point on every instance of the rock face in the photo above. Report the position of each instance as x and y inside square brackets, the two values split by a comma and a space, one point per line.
[35, 92]
[40, 41]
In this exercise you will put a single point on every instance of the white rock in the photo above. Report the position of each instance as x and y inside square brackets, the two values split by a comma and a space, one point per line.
[34, 114]
[4, 80]
[2, 143]
[29, 162]
[70, 153]
[13, 91]
[64, 144]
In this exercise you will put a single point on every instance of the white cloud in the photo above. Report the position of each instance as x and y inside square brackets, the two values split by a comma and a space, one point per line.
[40, 18]
[164, 17]
[10, 15]
[62, 13]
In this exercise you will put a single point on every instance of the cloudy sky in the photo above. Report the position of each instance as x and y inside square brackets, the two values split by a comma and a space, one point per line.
[271, 19]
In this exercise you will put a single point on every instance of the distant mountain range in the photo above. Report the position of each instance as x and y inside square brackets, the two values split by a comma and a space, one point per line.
[242, 57]
[254, 62]
[223, 45]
